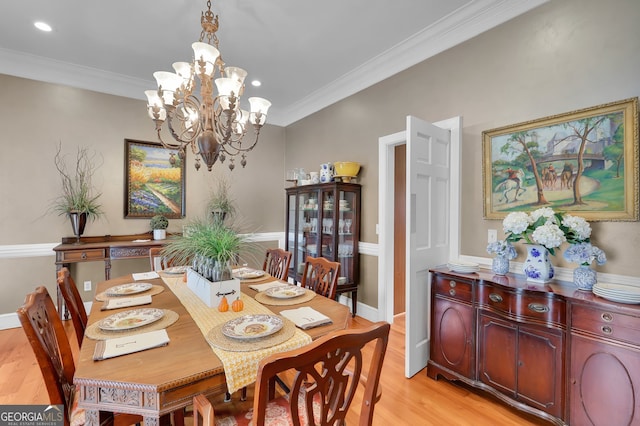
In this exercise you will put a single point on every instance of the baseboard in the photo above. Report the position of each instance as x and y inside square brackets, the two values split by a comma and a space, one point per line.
[11, 320]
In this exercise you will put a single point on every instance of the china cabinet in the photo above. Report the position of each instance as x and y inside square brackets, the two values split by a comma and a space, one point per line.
[548, 349]
[323, 220]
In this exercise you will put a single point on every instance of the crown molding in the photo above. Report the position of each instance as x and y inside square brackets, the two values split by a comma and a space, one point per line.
[463, 24]
[466, 22]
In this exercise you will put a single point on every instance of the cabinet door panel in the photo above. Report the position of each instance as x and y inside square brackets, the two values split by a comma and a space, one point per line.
[452, 345]
[540, 369]
[497, 353]
[605, 387]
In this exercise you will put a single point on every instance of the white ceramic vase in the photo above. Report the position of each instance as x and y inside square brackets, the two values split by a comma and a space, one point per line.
[538, 267]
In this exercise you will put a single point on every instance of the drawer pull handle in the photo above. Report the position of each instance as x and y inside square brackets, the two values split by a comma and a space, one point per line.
[538, 308]
[606, 329]
[452, 292]
[84, 255]
[607, 317]
[495, 297]
[452, 284]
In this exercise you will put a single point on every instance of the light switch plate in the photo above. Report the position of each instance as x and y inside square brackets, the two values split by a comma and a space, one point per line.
[492, 236]
[87, 286]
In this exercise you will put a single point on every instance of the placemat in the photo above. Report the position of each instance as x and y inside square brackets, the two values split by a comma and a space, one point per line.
[274, 301]
[216, 338]
[155, 289]
[96, 333]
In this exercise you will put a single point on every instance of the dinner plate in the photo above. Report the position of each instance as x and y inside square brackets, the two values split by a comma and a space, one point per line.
[621, 289]
[248, 273]
[252, 326]
[127, 289]
[618, 299]
[133, 318]
[285, 292]
[175, 270]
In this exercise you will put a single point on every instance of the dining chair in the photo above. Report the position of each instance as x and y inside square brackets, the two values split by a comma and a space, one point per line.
[327, 374]
[157, 260]
[321, 275]
[46, 335]
[276, 263]
[73, 302]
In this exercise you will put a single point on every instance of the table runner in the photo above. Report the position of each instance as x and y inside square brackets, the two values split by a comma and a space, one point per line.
[240, 368]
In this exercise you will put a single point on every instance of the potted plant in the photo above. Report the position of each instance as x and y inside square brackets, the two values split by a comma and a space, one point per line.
[211, 247]
[221, 204]
[79, 200]
[159, 224]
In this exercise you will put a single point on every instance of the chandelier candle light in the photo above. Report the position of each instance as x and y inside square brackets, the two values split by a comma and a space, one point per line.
[212, 125]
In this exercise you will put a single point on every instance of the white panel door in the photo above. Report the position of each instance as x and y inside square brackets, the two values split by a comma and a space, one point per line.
[428, 200]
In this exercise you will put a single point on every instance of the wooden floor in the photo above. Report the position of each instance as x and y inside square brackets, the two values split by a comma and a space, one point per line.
[415, 401]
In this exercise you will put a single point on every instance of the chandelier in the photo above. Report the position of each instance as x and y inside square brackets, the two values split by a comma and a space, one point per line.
[212, 125]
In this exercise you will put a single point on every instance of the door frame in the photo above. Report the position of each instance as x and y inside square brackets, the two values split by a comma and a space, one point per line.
[386, 166]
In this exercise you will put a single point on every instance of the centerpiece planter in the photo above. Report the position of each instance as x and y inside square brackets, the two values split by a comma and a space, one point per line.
[212, 292]
[537, 267]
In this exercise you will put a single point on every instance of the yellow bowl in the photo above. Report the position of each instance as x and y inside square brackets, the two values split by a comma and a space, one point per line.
[346, 168]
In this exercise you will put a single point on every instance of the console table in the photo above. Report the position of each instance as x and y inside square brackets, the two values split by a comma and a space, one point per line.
[103, 249]
[551, 350]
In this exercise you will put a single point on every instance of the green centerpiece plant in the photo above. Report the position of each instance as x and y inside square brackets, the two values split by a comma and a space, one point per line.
[221, 203]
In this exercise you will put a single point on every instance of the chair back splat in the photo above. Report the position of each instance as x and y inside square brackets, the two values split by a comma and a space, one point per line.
[321, 275]
[73, 301]
[276, 263]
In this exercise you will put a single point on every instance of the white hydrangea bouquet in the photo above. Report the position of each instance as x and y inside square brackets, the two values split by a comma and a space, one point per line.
[546, 227]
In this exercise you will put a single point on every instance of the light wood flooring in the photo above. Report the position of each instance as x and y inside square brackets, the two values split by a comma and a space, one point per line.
[415, 401]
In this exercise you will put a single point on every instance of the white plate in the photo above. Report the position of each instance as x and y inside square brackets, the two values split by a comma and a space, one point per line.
[130, 319]
[618, 299]
[175, 270]
[252, 326]
[248, 273]
[127, 289]
[463, 264]
[618, 289]
[285, 292]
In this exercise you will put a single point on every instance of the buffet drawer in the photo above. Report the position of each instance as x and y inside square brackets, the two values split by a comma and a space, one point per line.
[83, 255]
[605, 323]
[453, 287]
[521, 305]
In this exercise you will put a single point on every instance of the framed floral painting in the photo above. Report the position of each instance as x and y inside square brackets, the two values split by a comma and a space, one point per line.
[584, 161]
[154, 181]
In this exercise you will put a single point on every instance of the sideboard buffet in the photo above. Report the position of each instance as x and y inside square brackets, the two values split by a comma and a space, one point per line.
[551, 350]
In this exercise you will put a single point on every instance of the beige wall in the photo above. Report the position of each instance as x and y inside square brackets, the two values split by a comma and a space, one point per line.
[36, 116]
[560, 57]
[563, 56]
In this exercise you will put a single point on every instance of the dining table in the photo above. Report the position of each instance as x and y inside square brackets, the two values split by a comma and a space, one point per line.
[160, 380]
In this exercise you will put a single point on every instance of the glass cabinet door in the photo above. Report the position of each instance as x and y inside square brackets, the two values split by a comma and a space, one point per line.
[346, 223]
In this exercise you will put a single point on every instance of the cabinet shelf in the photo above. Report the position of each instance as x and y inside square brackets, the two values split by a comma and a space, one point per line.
[308, 227]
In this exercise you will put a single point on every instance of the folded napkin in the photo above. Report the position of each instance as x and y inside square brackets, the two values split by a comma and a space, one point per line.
[123, 302]
[145, 276]
[140, 241]
[306, 317]
[267, 286]
[127, 345]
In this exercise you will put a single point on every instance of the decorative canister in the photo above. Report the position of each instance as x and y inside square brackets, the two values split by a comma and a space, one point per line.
[326, 172]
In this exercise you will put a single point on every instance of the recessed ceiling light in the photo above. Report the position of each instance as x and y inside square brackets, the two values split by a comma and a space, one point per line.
[42, 26]
[256, 83]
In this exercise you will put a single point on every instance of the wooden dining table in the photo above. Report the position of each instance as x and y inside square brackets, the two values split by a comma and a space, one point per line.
[159, 381]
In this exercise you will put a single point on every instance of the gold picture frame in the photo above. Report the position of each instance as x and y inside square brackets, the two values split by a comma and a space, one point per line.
[583, 162]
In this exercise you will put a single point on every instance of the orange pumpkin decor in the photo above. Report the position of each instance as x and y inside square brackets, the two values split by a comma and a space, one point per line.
[224, 305]
[237, 305]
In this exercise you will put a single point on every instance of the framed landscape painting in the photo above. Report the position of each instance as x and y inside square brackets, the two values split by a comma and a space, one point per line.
[154, 181]
[583, 162]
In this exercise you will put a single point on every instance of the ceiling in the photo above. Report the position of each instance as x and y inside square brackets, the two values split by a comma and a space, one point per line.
[308, 55]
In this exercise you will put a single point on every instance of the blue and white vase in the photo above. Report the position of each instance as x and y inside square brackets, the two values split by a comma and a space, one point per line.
[584, 277]
[500, 265]
[326, 172]
[538, 267]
